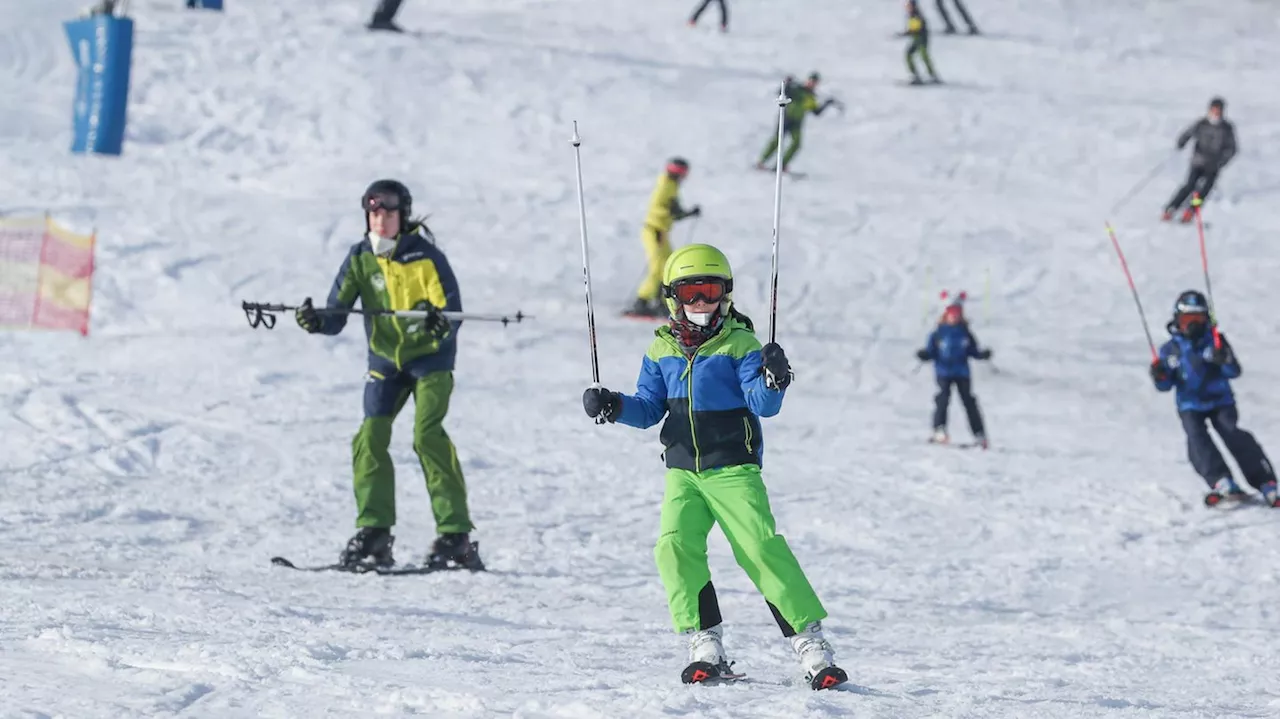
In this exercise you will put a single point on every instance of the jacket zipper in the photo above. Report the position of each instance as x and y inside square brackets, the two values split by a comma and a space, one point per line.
[693, 432]
[746, 424]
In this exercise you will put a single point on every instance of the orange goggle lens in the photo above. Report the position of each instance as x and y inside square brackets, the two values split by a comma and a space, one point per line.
[688, 293]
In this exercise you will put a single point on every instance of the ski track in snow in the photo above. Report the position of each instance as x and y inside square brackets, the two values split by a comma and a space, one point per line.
[151, 470]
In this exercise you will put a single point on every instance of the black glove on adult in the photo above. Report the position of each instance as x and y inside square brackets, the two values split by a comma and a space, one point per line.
[775, 367]
[307, 317]
[601, 403]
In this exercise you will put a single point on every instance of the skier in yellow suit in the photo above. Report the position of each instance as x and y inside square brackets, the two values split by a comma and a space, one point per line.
[664, 211]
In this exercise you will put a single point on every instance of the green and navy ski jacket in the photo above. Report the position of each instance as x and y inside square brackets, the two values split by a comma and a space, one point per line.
[414, 274]
[713, 400]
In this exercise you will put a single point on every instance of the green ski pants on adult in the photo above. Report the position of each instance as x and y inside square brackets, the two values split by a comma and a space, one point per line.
[735, 498]
[919, 46]
[375, 478]
[793, 132]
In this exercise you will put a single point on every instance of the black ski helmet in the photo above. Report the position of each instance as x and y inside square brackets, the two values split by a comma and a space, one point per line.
[389, 187]
[678, 166]
[1218, 103]
[1191, 302]
[814, 77]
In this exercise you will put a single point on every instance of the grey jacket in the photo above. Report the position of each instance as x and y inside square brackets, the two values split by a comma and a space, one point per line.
[1215, 144]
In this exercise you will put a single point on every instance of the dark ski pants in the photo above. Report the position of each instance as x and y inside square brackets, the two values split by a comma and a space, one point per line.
[920, 45]
[943, 399]
[1206, 458]
[946, 19]
[386, 11]
[1198, 180]
[724, 11]
[792, 130]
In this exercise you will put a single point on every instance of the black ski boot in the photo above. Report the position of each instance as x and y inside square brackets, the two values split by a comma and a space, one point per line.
[455, 551]
[369, 549]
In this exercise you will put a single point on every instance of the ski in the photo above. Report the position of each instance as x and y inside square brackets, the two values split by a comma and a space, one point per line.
[827, 678]
[391, 571]
[708, 673]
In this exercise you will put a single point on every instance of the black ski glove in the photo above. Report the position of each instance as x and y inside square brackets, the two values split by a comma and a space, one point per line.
[434, 325]
[983, 354]
[922, 355]
[775, 367]
[1222, 353]
[307, 317]
[695, 211]
[602, 404]
[1159, 373]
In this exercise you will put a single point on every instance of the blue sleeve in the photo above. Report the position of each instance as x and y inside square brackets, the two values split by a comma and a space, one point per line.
[762, 401]
[1231, 368]
[1170, 374]
[648, 405]
[973, 345]
[931, 345]
[342, 295]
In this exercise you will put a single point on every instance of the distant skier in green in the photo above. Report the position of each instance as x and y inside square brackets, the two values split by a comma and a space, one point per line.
[803, 101]
[918, 31]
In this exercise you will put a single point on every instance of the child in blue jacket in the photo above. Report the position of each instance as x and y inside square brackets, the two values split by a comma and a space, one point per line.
[949, 347]
[1200, 364]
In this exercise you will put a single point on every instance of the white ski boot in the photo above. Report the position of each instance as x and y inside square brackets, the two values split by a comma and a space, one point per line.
[817, 658]
[706, 657]
[939, 436]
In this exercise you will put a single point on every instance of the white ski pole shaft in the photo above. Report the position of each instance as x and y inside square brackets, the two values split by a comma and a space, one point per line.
[783, 100]
[586, 260]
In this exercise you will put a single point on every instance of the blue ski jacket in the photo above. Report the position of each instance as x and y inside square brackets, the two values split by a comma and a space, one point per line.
[1202, 385]
[950, 347]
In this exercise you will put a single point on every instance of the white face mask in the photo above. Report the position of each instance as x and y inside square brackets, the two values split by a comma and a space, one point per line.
[1214, 119]
[381, 245]
[701, 319]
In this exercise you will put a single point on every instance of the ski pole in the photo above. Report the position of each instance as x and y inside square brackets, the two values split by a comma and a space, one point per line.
[1196, 202]
[770, 381]
[1133, 191]
[263, 314]
[576, 141]
[1134, 289]
[694, 229]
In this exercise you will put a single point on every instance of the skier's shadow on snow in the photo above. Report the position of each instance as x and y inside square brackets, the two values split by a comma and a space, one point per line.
[615, 57]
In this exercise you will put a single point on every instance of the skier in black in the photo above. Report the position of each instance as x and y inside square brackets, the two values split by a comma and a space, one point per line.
[384, 17]
[946, 19]
[724, 13]
[1215, 146]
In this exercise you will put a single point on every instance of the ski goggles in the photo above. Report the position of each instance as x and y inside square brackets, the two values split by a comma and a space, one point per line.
[1186, 320]
[710, 290]
[381, 201]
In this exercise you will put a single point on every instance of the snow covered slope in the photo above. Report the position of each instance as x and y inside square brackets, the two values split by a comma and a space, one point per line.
[149, 472]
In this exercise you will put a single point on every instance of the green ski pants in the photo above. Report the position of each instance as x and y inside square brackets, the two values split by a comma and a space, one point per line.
[793, 133]
[920, 46]
[735, 498]
[375, 478]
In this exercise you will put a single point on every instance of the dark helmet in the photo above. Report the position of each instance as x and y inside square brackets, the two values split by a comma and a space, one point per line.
[1218, 103]
[678, 166]
[815, 77]
[1191, 314]
[377, 196]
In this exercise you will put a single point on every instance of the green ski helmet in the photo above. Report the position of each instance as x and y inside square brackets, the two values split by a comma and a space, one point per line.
[692, 262]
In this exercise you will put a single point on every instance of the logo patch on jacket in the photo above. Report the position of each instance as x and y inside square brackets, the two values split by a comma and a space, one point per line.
[379, 282]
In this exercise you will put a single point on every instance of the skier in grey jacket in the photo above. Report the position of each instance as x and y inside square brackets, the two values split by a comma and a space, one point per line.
[1215, 146]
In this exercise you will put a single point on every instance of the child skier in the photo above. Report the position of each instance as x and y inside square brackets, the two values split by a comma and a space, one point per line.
[1198, 361]
[918, 31]
[949, 347]
[664, 211]
[709, 376]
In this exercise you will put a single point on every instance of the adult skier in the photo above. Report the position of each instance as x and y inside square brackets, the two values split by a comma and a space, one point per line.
[946, 19]
[1199, 363]
[1215, 146]
[397, 266]
[804, 100]
[949, 347]
[918, 31]
[664, 211]
[708, 375]
[724, 13]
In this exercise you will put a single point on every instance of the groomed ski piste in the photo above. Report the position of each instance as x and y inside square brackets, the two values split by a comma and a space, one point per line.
[150, 471]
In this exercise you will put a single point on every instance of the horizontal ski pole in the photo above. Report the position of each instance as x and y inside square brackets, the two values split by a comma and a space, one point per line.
[263, 314]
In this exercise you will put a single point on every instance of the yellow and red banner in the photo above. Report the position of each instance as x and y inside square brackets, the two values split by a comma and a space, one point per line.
[46, 275]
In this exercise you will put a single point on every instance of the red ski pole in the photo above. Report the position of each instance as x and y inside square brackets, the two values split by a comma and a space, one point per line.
[1196, 202]
[1133, 288]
